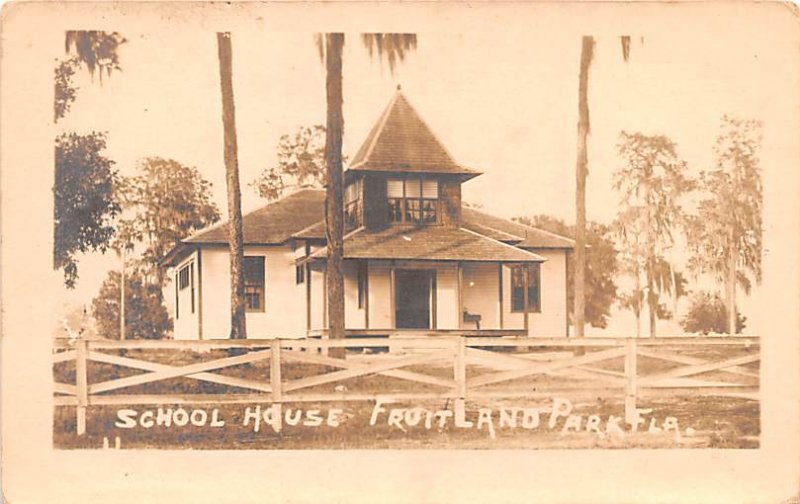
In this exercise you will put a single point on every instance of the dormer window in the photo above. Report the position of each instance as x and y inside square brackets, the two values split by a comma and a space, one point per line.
[413, 200]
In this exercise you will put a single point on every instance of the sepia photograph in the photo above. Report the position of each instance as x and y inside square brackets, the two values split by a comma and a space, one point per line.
[517, 235]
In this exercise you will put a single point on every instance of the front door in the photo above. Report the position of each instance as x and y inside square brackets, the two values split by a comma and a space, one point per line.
[413, 299]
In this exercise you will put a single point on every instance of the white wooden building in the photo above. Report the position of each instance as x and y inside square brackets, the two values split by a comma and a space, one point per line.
[416, 260]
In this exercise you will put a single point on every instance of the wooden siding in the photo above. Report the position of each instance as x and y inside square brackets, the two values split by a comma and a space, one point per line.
[450, 202]
[376, 214]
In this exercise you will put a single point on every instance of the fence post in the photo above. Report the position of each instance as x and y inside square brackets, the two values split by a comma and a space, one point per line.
[81, 384]
[630, 381]
[275, 380]
[460, 377]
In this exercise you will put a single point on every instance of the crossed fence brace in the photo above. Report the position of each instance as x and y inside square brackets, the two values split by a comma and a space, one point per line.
[458, 352]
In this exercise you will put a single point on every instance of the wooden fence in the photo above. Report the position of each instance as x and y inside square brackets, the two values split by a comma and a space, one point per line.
[482, 367]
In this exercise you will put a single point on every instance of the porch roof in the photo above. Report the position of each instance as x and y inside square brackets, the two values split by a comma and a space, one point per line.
[485, 224]
[429, 243]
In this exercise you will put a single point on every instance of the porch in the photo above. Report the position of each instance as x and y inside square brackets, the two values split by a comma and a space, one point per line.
[412, 298]
[417, 333]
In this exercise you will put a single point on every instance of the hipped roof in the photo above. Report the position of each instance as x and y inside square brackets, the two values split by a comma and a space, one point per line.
[402, 142]
[429, 243]
[528, 236]
[485, 224]
[273, 223]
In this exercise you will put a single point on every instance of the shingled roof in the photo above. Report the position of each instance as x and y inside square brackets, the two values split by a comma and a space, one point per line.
[490, 226]
[529, 237]
[429, 243]
[273, 223]
[401, 141]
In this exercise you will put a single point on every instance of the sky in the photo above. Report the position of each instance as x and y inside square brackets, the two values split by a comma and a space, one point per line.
[503, 101]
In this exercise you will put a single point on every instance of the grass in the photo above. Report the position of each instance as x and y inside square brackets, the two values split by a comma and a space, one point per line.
[717, 422]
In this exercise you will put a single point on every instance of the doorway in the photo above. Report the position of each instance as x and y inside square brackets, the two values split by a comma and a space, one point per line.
[413, 292]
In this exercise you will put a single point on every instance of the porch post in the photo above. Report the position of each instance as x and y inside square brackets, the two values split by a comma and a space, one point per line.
[433, 302]
[366, 293]
[525, 283]
[392, 300]
[325, 299]
[500, 292]
[307, 267]
[460, 283]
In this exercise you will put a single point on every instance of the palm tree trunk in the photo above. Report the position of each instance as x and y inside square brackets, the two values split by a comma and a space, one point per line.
[638, 303]
[235, 238]
[581, 171]
[334, 194]
[730, 291]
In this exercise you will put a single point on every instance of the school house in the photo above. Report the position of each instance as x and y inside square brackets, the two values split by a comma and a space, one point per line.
[416, 260]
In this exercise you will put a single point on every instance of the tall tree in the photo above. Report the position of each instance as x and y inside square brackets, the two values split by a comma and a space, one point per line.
[301, 163]
[235, 235]
[652, 183]
[726, 237]
[84, 178]
[390, 46]
[581, 172]
[601, 267]
[85, 205]
[163, 204]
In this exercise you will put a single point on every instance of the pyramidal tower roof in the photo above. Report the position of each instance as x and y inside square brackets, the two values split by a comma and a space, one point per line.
[401, 141]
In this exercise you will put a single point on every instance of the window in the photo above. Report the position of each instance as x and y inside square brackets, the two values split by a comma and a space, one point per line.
[362, 284]
[413, 200]
[254, 283]
[518, 287]
[353, 205]
[183, 280]
[299, 274]
[183, 277]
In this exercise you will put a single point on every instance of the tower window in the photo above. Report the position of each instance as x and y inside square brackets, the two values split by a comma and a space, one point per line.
[413, 200]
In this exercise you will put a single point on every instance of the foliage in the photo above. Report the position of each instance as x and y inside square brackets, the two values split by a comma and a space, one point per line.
[145, 314]
[652, 184]
[729, 218]
[707, 314]
[667, 280]
[601, 266]
[96, 50]
[65, 90]
[301, 163]
[84, 177]
[85, 203]
[392, 46]
[166, 202]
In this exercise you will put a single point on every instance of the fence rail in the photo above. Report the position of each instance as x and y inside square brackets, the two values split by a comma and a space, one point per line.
[482, 367]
